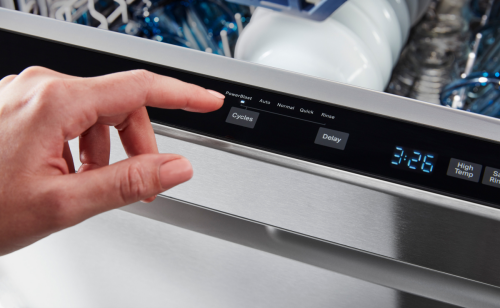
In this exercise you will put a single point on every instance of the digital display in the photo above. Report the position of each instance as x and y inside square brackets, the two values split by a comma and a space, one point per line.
[413, 160]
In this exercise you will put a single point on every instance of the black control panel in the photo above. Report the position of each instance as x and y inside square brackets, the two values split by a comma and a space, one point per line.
[334, 136]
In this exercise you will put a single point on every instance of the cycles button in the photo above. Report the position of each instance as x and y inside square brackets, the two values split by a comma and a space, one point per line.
[491, 177]
[242, 117]
[331, 138]
[464, 170]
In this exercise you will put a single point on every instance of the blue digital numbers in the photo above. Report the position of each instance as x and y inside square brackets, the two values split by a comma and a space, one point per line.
[398, 156]
[428, 163]
[413, 160]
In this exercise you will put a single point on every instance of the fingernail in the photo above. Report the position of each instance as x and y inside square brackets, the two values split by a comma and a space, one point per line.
[216, 94]
[175, 172]
[149, 200]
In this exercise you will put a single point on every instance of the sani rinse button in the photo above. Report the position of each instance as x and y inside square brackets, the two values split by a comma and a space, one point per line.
[331, 138]
[464, 170]
[491, 177]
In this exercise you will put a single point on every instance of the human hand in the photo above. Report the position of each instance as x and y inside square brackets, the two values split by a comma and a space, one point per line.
[40, 110]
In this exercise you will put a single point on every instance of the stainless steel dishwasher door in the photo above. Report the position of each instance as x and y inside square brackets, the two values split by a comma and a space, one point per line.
[201, 258]
[315, 207]
[405, 224]
[119, 259]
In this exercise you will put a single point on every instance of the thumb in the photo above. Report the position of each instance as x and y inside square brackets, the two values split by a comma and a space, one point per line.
[86, 194]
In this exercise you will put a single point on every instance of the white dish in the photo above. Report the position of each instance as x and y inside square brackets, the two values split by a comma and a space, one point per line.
[384, 16]
[377, 42]
[325, 49]
[259, 12]
[403, 15]
[413, 10]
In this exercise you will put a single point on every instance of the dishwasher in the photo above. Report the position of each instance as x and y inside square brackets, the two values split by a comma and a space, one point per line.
[307, 192]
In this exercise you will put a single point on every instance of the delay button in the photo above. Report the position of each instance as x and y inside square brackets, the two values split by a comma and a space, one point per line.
[464, 170]
[492, 177]
[242, 117]
[331, 138]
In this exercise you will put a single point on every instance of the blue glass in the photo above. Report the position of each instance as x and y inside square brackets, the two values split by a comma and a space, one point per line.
[84, 19]
[216, 16]
[193, 24]
[477, 8]
[487, 57]
[243, 10]
[478, 93]
[175, 24]
[495, 12]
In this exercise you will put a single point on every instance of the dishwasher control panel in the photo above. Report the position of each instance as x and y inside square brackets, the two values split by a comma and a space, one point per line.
[331, 135]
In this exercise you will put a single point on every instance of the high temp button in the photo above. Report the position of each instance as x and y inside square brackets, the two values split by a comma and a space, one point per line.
[331, 138]
[464, 170]
[242, 117]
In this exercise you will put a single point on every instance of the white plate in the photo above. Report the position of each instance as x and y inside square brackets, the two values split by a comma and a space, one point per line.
[413, 10]
[259, 12]
[325, 49]
[384, 16]
[403, 15]
[377, 42]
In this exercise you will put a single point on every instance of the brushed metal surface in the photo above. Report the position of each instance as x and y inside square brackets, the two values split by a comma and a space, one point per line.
[123, 260]
[406, 224]
[119, 259]
[420, 287]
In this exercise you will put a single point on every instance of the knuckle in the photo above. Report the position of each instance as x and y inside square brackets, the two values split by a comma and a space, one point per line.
[49, 91]
[7, 78]
[144, 79]
[51, 87]
[33, 71]
[143, 75]
[135, 183]
[123, 125]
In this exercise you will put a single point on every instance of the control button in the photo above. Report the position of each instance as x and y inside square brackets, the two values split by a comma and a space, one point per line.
[491, 177]
[242, 117]
[331, 138]
[464, 170]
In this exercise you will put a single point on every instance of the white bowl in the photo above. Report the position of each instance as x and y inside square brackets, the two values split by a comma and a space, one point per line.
[325, 49]
[377, 42]
[413, 10]
[384, 16]
[403, 14]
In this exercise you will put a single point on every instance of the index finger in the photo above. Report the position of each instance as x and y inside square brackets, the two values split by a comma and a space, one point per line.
[112, 97]
[140, 88]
